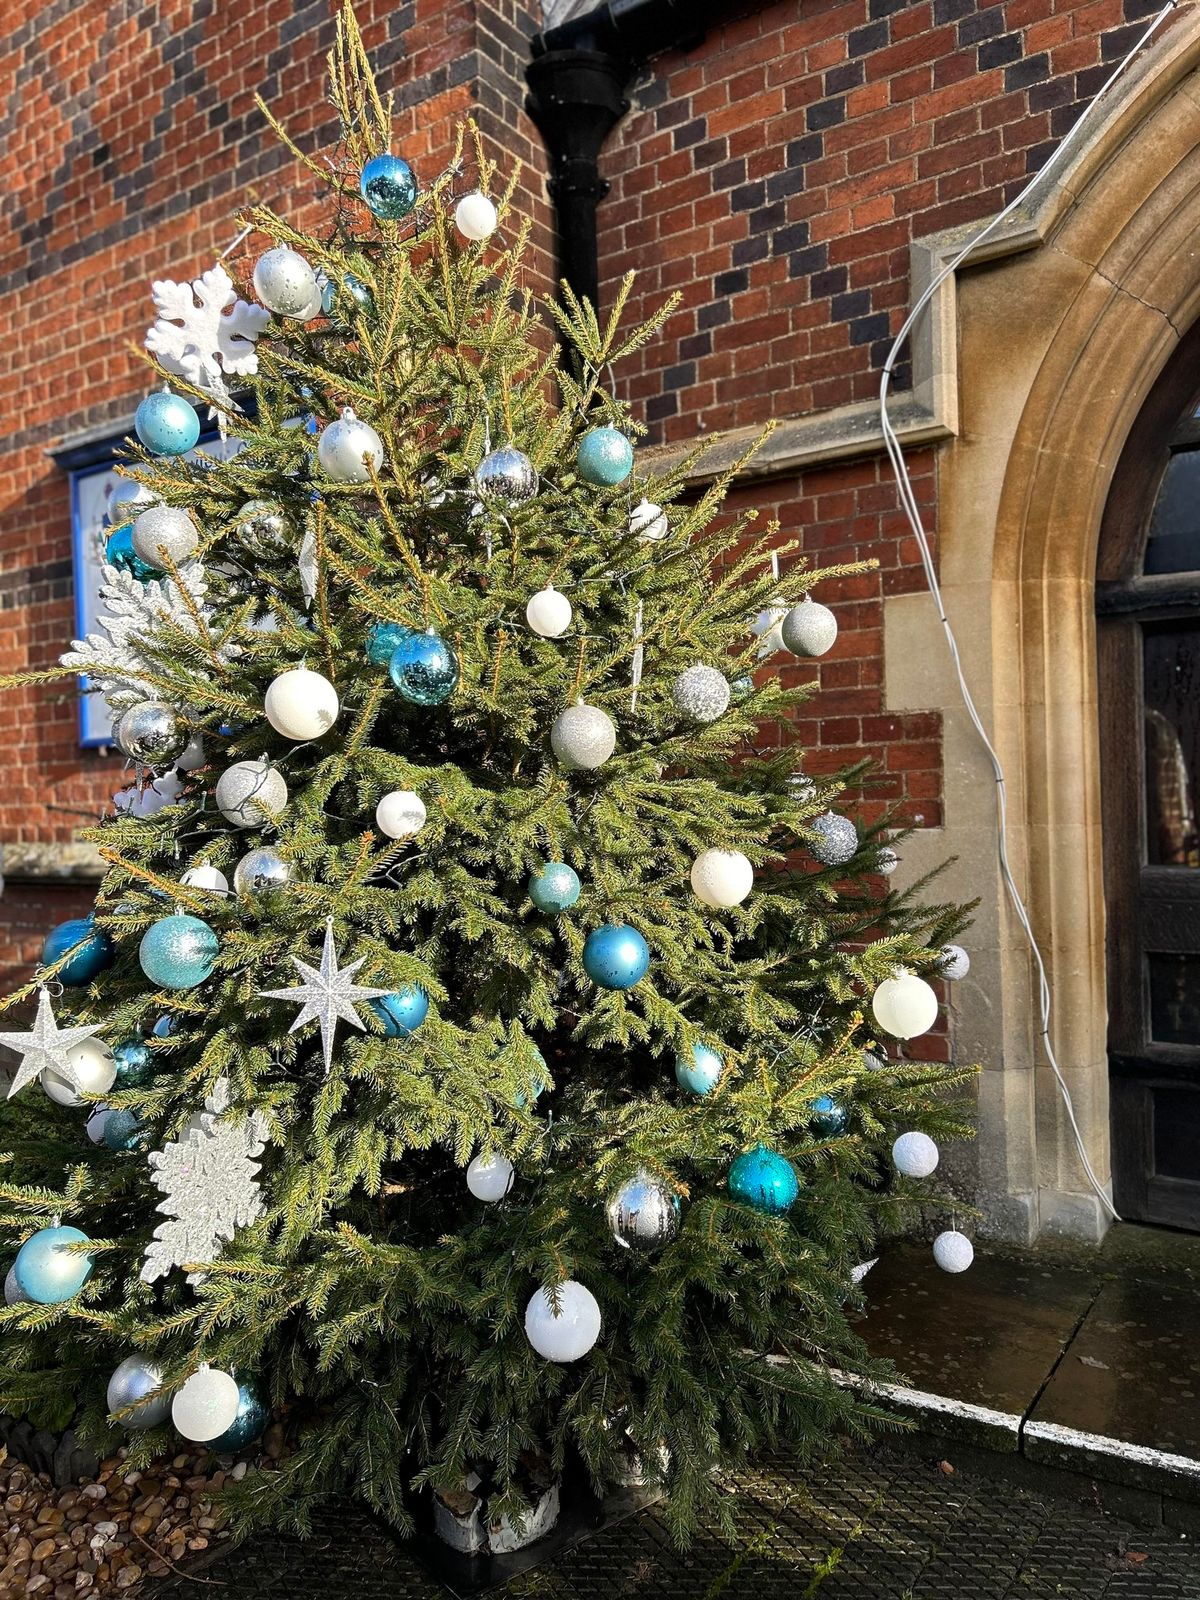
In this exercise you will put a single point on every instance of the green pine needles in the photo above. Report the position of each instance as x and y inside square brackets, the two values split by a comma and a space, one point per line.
[379, 1304]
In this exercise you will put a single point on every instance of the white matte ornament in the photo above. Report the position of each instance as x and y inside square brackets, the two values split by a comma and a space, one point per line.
[953, 1251]
[583, 737]
[204, 332]
[475, 217]
[954, 964]
[915, 1154]
[572, 1332]
[346, 445]
[301, 704]
[809, 629]
[490, 1178]
[92, 1069]
[722, 877]
[165, 528]
[251, 793]
[548, 613]
[400, 814]
[905, 1006]
[648, 522]
[206, 1405]
[203, 876]
[285, 283]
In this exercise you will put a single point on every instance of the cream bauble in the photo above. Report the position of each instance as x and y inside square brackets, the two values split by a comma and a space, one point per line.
[766, 627]
[915, 1154]
[400, 814]
[208, 878]
[490, 1177]
[93, 1071]
[345, 446]
[301, 704]
[905, 1006]
[285, 283]
[722, 877]
[475, 217]
[251, 793]
[569, 1332]
[953, 1251]
[548, 613]
[206, 1405]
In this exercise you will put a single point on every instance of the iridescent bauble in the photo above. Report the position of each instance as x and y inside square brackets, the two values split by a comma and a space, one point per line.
[206, 1405]
[286, 283]
[402, 1013]
[424, 669]
[616, 956]
[383, 639]
[809, 629]
[346, 446]
[506, 477]
[563, 1324]
[134, 1063]
[489, 1178]
[554, 887]
[93, 1071]
[300, 704]
[699, 1072]
[643, 1213]
[251, 793]
[123, 1129]
[763, 1179]
[262, 872]
[701, 694]
[829, 1117]
[262, 522]
[359, 292]
[178, 952]
[91, 947]
[953, 1251]
[166, 424]
[165, 531]
[119, 553]
[400, 814]
[836, 841]
[605, 457]
[49, 1272]
[954, 963]
[904, 1006]
[537, 1084]
[915, 1154]
[648, 523]
[548, 613]
[583, 737]
[131, 1383]
[389, 186]
[475, 217]
[252, 1417]
[153, 733]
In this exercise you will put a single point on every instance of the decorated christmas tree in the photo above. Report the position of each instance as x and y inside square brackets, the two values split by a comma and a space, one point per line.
[477, 1056]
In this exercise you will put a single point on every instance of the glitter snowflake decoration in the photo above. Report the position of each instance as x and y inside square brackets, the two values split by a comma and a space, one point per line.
[209, 1177]
[204, 333]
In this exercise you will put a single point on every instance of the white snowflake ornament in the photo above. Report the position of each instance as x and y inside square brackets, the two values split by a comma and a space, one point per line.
[204, 333]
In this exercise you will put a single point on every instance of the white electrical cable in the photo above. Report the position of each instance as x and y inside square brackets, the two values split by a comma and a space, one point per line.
[915, 522]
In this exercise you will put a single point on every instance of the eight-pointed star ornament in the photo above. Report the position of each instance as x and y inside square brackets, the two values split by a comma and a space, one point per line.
[326, 994]
[45, 1045]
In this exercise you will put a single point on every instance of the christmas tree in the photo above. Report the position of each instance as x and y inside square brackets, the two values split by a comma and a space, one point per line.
[478, 1029]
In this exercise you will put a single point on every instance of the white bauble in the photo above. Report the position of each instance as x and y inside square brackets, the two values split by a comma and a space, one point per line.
[94, 1127]
[887, 861]
[722, 877]
[400, 814]
[490, 1177]
[583, 737]
[809, 629]
[13, 1294]
[206, 877]
[954, 964]
[93, 1068]
[548, 613]
[475, 217]
[206, 1405]
[168, 528]
[569, 1334]
[314, 307]
[953, 1251]
[346, 445]
[150, 798]
[905, 1006]
[301, 704]
[766, 626]
[915, 1154]
[648, 522]
[127, 499]
[285, 283]
[250, 793]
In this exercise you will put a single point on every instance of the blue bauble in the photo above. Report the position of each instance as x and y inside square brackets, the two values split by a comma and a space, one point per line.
[165, 1027]
[358, 291]
[92, 946]
[251, 1419]
[829, 1116]
[167, 424]
[536, 1086]
[383, 639]
[135, 1064]
[605, 457]
[47, 1272]
[741, 688]
[554, 887]
[123, 1129]
[119, 553]
[763, 1179]
[179, 952]
[389, 186]
[424, 669]
[702, 1072]
[616, 956]
[402, 1013]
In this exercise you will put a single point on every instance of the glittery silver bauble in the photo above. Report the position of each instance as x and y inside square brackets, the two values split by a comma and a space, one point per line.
[285, 283]
[261, 872]
[643, 1213]
[809, 629]
[583, 737]
[345, 446]
[165, 530]
[133, 1380]
[701, 694]
[251, 793]
[836, 841]
[506, 476]
[153, 733]
[262, 522]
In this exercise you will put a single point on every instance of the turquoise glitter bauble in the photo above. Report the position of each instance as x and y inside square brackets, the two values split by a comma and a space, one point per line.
[402, 1013]
[554, 887]
[46, 1271]
[179, 952]
[92, 948]
[135, 1064]
[167, 424]
[701, 1072]
[251, 1419]
[383, 640]
[616, 956]
[424, 669]
[119, 553]
[605, 457]
[829, 1116]
[123, 1129]
[763, 1179]
[389, 186]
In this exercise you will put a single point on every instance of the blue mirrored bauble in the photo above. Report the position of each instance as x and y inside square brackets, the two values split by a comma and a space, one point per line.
[605, 457]
[131, 1384]
[402, 1013]
[616, 956]
[252, 1417]
[123, 1129]
[92, 948]
[763, 1179]
[48, 1272]
[135, 1064]
[329, 294]
[554, 887]
[424, 669]
[178, 952]
[701, 1072]
[119, 553]
[167, 424]
[829, 1116]
[383, 640]
[389, 186]
[358, 291]
[165, 1027]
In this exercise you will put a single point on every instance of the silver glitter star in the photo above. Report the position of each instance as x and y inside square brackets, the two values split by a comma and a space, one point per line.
[46, 1045]
[326, 994]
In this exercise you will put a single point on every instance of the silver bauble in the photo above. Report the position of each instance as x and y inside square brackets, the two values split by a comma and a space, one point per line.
[345, 446]
[285, 283]
[809, 629]
[701, 694]
[643, 1213]
[583, 737]
[262, 522]
[261, 872]
[506, 476]
[133, 1380]
[14, 1295]
[887, 861]
[250, 794]
[153, 733]
[165, 529]
[836, 841]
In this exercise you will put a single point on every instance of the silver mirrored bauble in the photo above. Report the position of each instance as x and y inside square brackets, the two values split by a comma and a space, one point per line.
[251, 794]
[262, 872]
[701, 694]
[506, 476]
[133, 1380]
[165, 530]
[809, 629]
[643, 1213]
[583, 737]
[345, 447]
[836, 841]
[262, 522]
[285, 283]
[153, 733]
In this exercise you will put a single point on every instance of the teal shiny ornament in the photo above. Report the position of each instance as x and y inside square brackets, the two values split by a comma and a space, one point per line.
[389, 186]
[179, 952]
[123, 1129]
[359, 292]
[383, 640]
[554, 887]
[763, 1179]
[402, 1013]
[91, 948]
[252, 1417]
[166, 424]
[616, 956]
[536, 1087]
[135, 1064]
[329, 293]
[424, 669]
[119, 553]
[47, 1271]
[605, 457]
[700, 1072]
[829, 1116]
